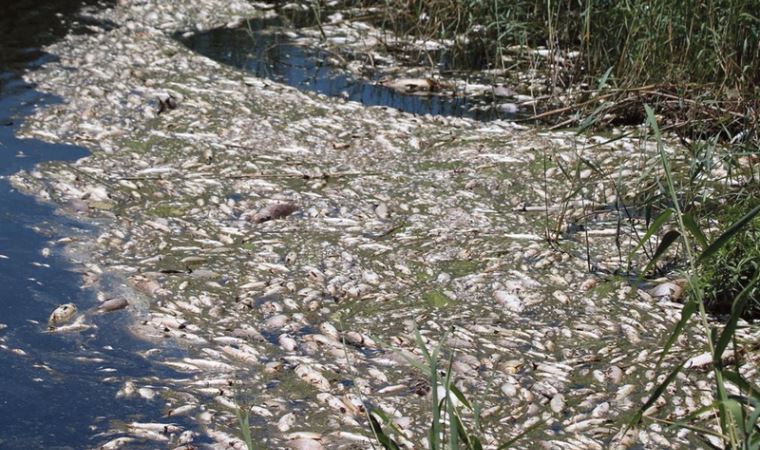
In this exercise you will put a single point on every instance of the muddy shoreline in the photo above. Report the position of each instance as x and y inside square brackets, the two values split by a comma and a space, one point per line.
[402, 222]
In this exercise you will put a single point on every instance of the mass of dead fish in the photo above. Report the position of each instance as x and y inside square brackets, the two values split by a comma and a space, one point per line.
[293, 245]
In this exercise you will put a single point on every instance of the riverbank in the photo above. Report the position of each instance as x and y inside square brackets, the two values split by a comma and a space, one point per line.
[401, 222]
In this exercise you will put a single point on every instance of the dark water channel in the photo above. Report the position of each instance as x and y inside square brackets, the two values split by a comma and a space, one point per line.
[267, 48]
[52, 396]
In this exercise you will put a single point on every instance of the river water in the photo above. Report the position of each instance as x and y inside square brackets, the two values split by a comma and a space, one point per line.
[52, 389]
[270, 48]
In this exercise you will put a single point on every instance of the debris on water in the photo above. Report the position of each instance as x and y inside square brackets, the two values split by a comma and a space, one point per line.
[61, 315]
[275, 211]
[79, 324]
[113, 304]
[166, 103]
[117, 443]
[668, 291]
[413, 85]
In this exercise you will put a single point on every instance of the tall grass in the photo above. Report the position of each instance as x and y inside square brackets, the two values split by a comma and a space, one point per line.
[737, 415]
[450, 428]
[711, 42]
[243, 416]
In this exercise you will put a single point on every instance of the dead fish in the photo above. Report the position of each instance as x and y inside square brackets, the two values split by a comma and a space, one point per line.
[509, 301]
[245, 353]
[61, 315]
[286, 422]
[76, 325]
[313, 377]
[128, 390]
[314, 436]
[413, 85]
[275, 211]
[166, 104]
[163, 428]
[333, 401]
[353, 437]
[669, 291]
[117, 443]
[186, 438]
[287, 343]
[359, 340]
[181, 410]
[147, 393]
[381, 210]
[113, 304]
[304, 444]
[209, 364]
[557, 403]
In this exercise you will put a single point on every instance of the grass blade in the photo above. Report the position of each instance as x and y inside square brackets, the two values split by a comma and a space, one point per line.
[714, 406]
[694, 229]
[521, 435]
[655, 395]
[384, 439]
[653, 228]
[605, 77]
[421, 345]
[454, 424]
[743, 384]
[728, 234]
[460, 396]
[688, 310]
[245, 427]
[665, 243]
[737, 309]
[435, 426]
[695, 428]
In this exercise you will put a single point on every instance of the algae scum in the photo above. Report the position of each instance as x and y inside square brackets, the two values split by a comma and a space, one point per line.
[278, 248]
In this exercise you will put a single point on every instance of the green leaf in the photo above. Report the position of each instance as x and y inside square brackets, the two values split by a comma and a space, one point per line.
[652, 120]
[728, 234]
[737, 309]
[245, 427]
[743, 384]
[691, 225]
[386, 420]
[472, 442]
[455, 428]
[714, 406]
[592, 118]
[752, 419]
[377, 429]
[436, 298]
[688, 310]
[603, 80]
[653, 228]
[665, 243]
[735, 412]
[460, 396]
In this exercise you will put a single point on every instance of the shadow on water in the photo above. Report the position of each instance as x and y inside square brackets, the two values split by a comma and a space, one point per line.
[52, 393]
[267, 49]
